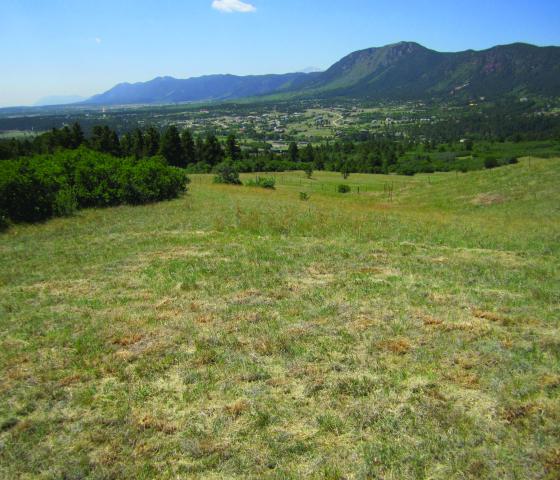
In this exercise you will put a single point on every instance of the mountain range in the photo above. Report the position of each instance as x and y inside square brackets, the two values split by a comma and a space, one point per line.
[400, 71]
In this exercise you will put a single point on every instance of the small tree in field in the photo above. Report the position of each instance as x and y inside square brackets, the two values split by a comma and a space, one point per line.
[345, 170]
[226, 173]
[309, 170]
[293, 152]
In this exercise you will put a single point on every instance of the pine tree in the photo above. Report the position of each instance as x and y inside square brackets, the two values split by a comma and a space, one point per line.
[151, 142]
[138, 143]
[213, 152]
[293, 152]
[189, 148]
[126, 145]
[309, 154]
[171, 147]
[105, 140]
[233, 151]
[77, 135]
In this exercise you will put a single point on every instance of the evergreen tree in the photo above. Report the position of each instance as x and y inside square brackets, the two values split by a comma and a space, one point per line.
[77, 135]
[126, 145]
[309, 154]
[233, 151]
[171, 148]
[199, 149]
[105, 140]
[293, 152]
[213, 152]
[189, 147]
[64, 138]
[151, 142]
[138, 143]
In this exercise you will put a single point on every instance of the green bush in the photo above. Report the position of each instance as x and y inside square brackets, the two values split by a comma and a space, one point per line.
[56, 185]
[26, 195]
[263, 182]
[304, 196]
[490, 162]
[65, 202]
[227, 174]
[342, 188]
[151, 180]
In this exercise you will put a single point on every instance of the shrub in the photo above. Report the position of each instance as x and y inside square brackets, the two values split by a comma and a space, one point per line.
[304, 196]
[226, 173]
[56, 185]
[151, 180]
[490, 162]
[65, 202]
[263, 182]
[342, 188]
[25, 194]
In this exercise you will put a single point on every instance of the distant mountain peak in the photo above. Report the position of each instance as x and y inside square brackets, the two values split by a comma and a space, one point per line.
[402, 70]
[58, 100]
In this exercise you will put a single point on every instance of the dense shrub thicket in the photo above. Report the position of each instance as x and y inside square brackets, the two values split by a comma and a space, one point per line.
[43, 186]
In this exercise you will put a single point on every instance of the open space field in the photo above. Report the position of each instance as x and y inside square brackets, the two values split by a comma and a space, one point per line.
[244, 333]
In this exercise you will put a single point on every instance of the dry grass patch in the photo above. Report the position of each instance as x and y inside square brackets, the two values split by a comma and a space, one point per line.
[127, 340]
[70, 380]
[485, 199]
[464, 378]
[491, 316]
[149, 422]
[551, 461]
[515, 413]
[399, 346]
[237, 408]
[429, 320]
[550, 381]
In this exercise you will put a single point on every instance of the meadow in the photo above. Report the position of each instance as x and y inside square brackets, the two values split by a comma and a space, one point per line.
[407, 329]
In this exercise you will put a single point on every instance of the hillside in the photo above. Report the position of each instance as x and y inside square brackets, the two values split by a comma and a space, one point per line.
[243, 333]
[401, 71]
[408, 70]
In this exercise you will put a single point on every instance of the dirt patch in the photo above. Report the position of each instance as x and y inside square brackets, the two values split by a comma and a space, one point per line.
[485, 199]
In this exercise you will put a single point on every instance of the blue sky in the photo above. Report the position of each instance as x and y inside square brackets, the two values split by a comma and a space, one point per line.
[83, 47]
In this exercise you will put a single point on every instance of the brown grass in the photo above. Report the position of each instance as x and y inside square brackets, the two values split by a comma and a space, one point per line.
[399, 346]
[237, 408]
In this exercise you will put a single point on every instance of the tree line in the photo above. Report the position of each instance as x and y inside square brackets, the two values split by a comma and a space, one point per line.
[365, 153]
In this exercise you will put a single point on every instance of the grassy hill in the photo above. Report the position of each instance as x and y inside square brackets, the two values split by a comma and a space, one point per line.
[244, 333]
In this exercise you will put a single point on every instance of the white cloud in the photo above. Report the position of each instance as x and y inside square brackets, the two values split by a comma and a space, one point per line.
[230, 6]
[97, 40]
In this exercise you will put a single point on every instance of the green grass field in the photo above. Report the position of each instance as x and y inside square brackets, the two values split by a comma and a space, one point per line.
[244, 333]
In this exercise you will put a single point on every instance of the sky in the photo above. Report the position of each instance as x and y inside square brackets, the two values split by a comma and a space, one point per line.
[84, 47]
